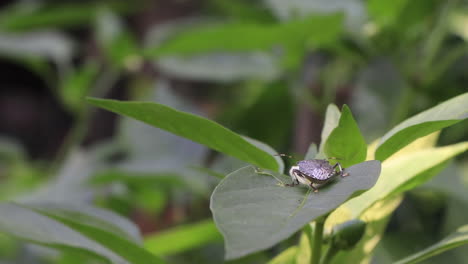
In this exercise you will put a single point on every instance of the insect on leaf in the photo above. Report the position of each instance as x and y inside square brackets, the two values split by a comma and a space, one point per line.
[254, 211]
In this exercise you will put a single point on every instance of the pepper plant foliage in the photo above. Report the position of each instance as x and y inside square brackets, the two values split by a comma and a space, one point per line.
[254, 209]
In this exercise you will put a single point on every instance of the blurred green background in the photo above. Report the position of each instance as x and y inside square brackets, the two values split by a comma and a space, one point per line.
[265, 69]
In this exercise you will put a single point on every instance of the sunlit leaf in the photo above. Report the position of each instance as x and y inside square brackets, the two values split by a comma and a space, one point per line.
[443, 115]
[403, 173]
[345, 142]
[332, 117]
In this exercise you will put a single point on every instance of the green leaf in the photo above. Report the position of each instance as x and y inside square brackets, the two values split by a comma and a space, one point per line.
[443, 115]
[22, 17]
[254, 211]
[403, 173]
[346, 235]
[96, 217]
[332, 118]
[376, 218]
[286, 257]
[193, 127]
[251, 37]
[346, 141]
[77, 84]
[460, 237]
[183, 238]
[66, 231]
[118, 43]
[385, 12]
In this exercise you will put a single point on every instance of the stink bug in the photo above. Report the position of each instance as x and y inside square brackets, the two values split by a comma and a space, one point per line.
[314, 173]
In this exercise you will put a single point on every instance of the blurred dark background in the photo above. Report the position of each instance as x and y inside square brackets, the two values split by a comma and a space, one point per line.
[387, 60]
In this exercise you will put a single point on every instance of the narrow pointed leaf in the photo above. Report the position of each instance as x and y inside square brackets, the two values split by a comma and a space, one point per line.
[401, 174]
[182, 238]
[346, 141]
[332, 117]
[59, 230]
[192, 127]
[226, 37]
[460, 237]
[443, 115]
[254, 211]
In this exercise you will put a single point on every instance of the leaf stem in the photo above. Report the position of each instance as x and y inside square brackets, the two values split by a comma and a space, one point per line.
[331, 252]
[318, 240]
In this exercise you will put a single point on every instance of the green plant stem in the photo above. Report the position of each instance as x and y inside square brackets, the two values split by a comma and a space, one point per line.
[79, 129]
[436, 37]
[331, 252]
[318, 240]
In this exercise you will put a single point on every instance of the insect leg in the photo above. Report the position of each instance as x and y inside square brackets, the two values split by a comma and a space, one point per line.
[341, 170]
[313, 187]
[293, 173]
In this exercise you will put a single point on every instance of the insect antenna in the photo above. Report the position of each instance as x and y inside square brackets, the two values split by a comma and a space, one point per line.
[283, 155]
[334, 158]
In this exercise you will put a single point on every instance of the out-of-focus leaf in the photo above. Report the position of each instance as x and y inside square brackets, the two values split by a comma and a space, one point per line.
[211, 65]
[354, 10]
[64, 231]
[118, 43]
[459, 23]
[385, 12]
[304, 252]
[242, 10]
[96, 217]
[77, 84]
[182, 238]
[254, 211]
[332, 117]
[69, 183]
[251, 37]
[193, 127]
[286, 257]
[28, 16]
[376, 218]
[378, 91]
[460, 237]
[402, 173]
[222, 67]
[270, 116]
[43, 44]
[345, 142]
[443, 115]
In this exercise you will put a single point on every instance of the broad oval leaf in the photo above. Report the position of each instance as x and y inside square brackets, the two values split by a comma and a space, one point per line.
[460, 237]
[254, 211]
[63, 230]
[193, 127]
[346, 142]
[443, 115]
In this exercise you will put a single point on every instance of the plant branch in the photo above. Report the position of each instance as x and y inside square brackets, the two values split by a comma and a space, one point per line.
[317, 240]
[331, 252]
